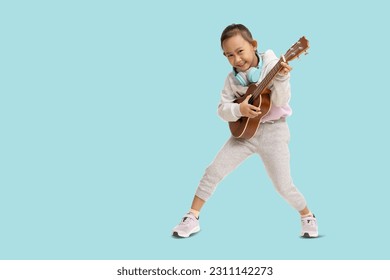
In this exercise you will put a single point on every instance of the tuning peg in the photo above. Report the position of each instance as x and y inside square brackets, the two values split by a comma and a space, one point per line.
[306, 52]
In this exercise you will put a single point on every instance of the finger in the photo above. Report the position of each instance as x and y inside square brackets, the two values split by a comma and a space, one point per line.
[249, 96]
[285, 71]
[286, 65]
[256, 112]
[254, 115]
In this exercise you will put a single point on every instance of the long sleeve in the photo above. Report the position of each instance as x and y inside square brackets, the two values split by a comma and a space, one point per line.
[227, 109]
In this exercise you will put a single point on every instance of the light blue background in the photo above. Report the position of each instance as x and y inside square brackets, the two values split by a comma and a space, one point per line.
[108, 120]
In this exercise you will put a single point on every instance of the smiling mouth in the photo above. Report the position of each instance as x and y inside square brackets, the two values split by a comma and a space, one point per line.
[241, 67]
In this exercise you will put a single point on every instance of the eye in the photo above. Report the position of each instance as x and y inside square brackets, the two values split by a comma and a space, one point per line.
[240, 51]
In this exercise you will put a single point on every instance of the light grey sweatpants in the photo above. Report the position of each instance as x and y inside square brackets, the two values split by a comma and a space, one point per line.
[271, 143]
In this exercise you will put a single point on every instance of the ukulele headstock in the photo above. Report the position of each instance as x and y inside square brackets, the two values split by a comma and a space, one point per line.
[297, 49]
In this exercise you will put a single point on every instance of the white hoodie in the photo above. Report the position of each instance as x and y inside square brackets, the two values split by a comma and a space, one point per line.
[280, 93]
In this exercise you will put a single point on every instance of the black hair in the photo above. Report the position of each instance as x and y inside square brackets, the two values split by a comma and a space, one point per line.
[235, 29]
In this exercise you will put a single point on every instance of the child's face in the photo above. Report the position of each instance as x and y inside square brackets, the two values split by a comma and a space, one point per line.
[240, 53]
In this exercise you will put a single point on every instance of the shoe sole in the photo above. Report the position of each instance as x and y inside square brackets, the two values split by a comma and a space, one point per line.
[307, 235]
[195, 230]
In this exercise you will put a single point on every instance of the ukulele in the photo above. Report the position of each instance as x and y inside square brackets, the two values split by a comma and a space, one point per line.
[246, 127]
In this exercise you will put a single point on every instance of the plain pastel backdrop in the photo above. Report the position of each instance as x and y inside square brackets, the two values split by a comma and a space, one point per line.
[108, 120]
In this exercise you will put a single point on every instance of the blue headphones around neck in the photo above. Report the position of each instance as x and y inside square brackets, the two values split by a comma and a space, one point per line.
[252, 75]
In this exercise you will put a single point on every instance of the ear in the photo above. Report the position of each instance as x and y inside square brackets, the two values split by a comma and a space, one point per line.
[254, 44]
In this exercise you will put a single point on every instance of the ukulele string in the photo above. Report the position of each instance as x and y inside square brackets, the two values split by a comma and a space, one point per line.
[259, 89]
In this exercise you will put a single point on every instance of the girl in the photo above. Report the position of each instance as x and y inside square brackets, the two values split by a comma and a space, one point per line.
[271, 139]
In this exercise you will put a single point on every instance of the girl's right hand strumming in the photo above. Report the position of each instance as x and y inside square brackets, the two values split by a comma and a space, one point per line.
[248, 110]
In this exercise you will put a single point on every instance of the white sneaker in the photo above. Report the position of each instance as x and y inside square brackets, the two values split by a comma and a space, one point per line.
[188, 225]
[309, 227]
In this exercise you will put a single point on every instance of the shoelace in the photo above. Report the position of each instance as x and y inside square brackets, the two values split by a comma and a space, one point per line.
[185, 220]
[310, 222]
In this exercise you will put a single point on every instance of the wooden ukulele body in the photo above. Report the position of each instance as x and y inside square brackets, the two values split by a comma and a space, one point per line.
[246, 127]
